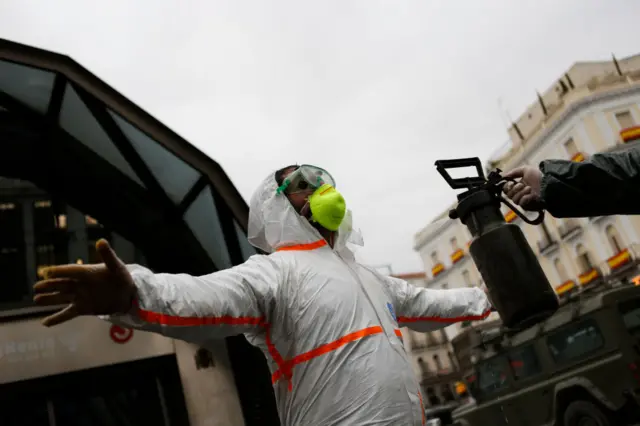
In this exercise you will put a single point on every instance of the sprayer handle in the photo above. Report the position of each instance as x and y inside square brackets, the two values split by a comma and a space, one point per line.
[537, 221]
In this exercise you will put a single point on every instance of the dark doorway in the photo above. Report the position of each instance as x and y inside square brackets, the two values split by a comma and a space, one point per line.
[139, 393]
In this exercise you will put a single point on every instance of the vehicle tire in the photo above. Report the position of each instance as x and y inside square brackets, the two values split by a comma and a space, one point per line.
[585, 413]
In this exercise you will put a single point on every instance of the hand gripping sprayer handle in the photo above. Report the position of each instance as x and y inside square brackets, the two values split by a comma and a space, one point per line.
[536, 221]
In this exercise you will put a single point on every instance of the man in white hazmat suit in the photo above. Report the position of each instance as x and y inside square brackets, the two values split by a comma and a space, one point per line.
[328, 326]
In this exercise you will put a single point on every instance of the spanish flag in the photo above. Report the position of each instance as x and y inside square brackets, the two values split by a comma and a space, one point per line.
[619, 259]
[565, 287]
[630, 134]
[510, 216]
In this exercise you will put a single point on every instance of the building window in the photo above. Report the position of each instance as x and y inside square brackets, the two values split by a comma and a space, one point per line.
[614, 239]
[584, 258]
[571, 148]
[434, 258]
[625, 120]
[437, 362]
[454, 243]
[418, 340]
[561, 270]
[452, 360]
[466, 278]
[422, 365]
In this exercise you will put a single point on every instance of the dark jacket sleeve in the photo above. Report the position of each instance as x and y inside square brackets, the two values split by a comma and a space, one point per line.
[607, 184]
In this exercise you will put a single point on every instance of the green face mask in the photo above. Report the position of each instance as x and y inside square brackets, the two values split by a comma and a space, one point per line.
[328, 207]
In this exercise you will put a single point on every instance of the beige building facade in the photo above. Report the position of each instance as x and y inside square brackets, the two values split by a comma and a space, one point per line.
[593, 107]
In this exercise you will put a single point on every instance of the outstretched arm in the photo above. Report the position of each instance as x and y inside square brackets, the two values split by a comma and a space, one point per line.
[196, 309]
[225, 303]
[423, 309]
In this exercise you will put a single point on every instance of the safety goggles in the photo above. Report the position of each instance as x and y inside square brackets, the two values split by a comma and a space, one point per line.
[304, 178]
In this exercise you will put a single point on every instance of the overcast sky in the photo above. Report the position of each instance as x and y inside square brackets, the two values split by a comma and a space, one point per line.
[374, 91]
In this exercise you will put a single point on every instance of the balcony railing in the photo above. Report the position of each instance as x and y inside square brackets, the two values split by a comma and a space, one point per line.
[418, 347]
[428, 374]
[569, 228]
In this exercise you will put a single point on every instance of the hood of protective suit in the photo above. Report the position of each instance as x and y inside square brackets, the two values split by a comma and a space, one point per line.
[274, 223]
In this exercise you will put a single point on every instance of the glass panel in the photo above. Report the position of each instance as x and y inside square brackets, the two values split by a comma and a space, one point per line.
[524, 362]
[14, 288]
[50, 236]
[492, 375]
[76, 119]
[202, 218]
[38, 230]
[245, 247]
[630, 311]
[173, 174]
[31, 86]
[95, 232]
[575, 341]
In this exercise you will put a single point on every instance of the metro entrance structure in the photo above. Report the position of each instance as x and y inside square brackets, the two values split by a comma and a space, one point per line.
[74, 148]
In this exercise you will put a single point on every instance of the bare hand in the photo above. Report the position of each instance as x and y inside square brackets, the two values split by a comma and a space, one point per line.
[101, 289]
[525, 193]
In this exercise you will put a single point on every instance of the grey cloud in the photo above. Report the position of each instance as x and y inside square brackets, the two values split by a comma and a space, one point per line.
[375, 91]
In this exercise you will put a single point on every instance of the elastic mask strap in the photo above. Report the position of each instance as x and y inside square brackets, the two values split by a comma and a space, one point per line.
[287, 182]
[283, 187]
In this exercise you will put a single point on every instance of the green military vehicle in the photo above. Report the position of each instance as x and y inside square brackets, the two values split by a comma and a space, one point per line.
[581, 367]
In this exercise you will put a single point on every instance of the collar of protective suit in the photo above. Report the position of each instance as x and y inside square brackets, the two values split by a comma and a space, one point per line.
[274, 224]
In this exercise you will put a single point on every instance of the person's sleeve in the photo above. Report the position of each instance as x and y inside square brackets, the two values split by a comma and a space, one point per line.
[424, 309]
[607, 184]
[225, 303]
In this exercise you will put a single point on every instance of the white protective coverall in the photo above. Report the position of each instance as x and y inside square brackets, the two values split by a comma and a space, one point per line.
[328, 326]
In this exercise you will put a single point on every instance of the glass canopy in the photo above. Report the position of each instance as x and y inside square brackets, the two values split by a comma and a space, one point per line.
[50, 87]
